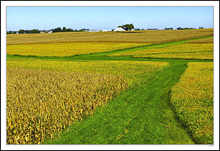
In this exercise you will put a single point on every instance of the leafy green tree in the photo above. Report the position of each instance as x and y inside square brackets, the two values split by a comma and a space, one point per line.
[64, 29]
[10, 32]
[35, 31]
[128, 26]
[57, 29]
[69, 30]
[21, 31]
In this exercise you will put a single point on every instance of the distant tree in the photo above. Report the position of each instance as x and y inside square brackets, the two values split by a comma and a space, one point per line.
[200, 27]
[35, 31]
[131, 26]
[21, 31]
[69, 30]
[128, 26]
[57, 29]
[83, 29]
[64, 29]
[27, 31]
[10, 32]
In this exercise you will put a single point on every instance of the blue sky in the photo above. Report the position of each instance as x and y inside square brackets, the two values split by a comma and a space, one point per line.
[107, 17]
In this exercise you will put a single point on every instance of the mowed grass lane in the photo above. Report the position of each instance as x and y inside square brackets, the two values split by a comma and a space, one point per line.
[137, 116]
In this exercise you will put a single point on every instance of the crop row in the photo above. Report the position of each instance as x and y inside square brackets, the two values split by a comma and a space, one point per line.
[136, 71]
[66, 49]
[184, 51]
[201, 41]
[192, 99]
[40, 103]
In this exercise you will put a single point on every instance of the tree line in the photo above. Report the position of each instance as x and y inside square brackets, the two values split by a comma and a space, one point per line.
[58, 29]
[126, 27]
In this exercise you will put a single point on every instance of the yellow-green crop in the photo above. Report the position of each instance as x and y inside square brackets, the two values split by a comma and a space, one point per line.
[66, 49]
[135, 71]
[184, 51]
[192, 99]
[201, 41]
[40, 103]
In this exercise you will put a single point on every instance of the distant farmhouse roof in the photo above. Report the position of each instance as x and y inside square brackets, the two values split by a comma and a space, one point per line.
[106, 30]
[94, 30]
[119, 29]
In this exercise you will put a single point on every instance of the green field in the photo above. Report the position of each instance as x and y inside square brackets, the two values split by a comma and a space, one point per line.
[98, 90]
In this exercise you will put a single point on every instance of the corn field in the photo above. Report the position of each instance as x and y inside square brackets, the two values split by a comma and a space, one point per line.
[40, 103]
[145, 36]
[66, 49]
[192, 99]
[184, 51]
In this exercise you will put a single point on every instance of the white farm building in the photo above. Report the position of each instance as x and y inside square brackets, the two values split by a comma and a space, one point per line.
[119, 29]
[94, 30]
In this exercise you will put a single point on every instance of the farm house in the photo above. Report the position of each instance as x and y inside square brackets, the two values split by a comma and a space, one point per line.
[119, 29]
[94, 30]
[106, 30]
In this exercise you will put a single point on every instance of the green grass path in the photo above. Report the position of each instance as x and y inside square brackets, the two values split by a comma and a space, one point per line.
[138, 116]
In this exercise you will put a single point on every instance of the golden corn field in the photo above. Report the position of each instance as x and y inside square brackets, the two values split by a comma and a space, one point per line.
[192, 99]
[135, 71]
[66, 49]
[187, 55]
[147, 36]
[185, 51]
[41, 103]
[201, 41]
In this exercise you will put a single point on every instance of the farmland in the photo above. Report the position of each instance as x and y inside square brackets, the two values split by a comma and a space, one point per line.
[66, 49]
[67, 96]
[192, 98]
[202, 41]
[162, 36]
[138, 87]
[182, 51]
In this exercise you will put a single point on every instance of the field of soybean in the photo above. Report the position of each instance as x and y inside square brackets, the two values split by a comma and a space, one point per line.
[135, 87]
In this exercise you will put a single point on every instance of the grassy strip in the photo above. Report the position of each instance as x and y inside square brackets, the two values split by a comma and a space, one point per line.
[137, 116]
[118, 58]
